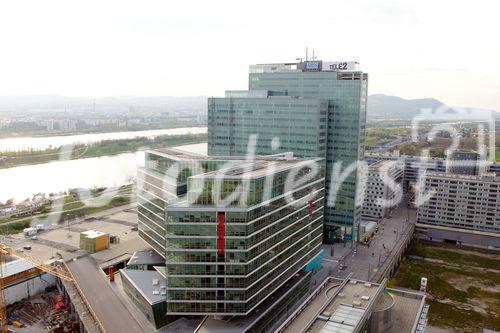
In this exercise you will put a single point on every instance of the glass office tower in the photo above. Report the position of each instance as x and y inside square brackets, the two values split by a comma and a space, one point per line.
[299, 123]
[233, 232]
[226, 256]
[344, 88]
[162, 180]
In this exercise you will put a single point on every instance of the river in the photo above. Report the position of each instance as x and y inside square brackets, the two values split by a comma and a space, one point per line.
[24, 143]
[107, 171]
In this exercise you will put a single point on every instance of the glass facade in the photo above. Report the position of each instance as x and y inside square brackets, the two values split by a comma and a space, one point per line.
[231, 120]
[226, 260]
[299, 123]
[162, 180]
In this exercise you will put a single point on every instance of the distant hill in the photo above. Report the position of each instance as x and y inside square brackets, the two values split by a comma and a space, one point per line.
[390, 107]
[384, 107]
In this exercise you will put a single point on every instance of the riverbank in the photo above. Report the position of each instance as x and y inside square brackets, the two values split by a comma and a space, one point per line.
[72, 209]
[98, 130]
[98, 149]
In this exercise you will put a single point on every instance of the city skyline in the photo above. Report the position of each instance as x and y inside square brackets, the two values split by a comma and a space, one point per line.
[123, 50]
[249, 167]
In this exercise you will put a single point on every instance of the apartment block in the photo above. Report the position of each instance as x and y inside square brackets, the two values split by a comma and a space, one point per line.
[462, 162]
[383, 185]
[461, 201]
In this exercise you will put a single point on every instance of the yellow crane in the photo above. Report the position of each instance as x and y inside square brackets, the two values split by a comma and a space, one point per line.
[57, 269]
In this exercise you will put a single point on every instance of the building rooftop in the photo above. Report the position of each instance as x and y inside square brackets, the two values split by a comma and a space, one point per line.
[108, 305]
[119, 252]
[258, 168]
[344, 319]
[271, 96]
[151, 284]
[93, 233]
[162, 270]
[182, 155]
[146, 257]
[339, 306]
[306, 66]
[15, 267]
[486, 177]
[384, 165]
[179, 154]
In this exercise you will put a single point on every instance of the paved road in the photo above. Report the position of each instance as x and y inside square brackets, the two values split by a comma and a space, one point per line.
[365, 261]
[358, 259]
[399, 140]
[107, 305]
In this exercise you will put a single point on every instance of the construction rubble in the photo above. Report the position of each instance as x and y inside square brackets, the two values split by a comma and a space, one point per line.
[47, 311]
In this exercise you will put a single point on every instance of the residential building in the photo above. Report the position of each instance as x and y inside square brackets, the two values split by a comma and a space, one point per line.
[460, 201]
[383, 187]
[292, 90]
[493, 168]
[462, 162]
[414, 166]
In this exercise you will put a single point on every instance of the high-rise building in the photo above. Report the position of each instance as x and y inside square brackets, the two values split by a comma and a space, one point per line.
[226, 255]
[293, 90]
[299, 123]
[162, 179]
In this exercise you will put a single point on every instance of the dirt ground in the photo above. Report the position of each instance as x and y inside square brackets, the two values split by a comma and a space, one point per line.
[463, 286]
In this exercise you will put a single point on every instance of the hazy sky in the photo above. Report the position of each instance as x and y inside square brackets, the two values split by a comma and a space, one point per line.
[449, 49]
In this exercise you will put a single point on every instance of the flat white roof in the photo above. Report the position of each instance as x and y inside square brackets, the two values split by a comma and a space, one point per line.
[15, 267]
[93, 233]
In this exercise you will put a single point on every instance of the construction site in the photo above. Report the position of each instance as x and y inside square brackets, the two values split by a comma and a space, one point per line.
[46, 312]
[46, 278]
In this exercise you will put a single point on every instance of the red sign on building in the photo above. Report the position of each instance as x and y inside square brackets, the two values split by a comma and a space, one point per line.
[221, 217]
[311, 202]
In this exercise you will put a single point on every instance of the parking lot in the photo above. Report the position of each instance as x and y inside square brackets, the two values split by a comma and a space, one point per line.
[63, 240]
